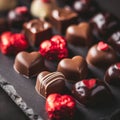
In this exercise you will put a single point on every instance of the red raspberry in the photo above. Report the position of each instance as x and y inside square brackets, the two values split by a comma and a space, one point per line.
[60, 107]
[11, 43]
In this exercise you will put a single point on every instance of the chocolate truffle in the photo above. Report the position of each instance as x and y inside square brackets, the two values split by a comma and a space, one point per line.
[74, 69]
[85, 8]
[36, 31]
[41, 8]
[112, 75]
[101, 55]
[29, 64]
[62, 18]
[114, 41]
[91, 92]
[105, 24]
[79, 35]
[6, 5]
[18, 16]
[48, 83]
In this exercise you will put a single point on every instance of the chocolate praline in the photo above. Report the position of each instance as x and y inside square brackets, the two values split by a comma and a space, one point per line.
[29, 64]
[74, 69]
[101, 55]
[90, 92]
[105, 24]
[50, 82]
[114, 41]
[112, 75]
[79, 35]
[18, 16]
[62, 18]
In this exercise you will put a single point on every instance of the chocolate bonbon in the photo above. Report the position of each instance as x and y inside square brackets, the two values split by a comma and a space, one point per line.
[18, 16]
[114, 41]
[91, 91]
[29, 64]
[101, 55]
[79, 35]
[112, 75]
[62, 18]
[105, 24]
[36, 31]
[74, 69]
[50, 82]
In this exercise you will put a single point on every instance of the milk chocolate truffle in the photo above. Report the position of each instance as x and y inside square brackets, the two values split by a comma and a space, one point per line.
[90, 92]
[18, 16]
[29, 64]
[6, 5]
[105, 24]
[101, 55]
[48, 83]
[74, 69]
[79, 35]
[112, 75]
[62, 18]
[36, 31]
[114, 41]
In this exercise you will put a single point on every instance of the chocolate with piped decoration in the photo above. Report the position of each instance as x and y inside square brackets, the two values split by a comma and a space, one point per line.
[105, 24]
[50, 82]
[114, 41]
[101, 55]
[112, 75]
[90, 92]
[74, 69]
[62, 18]
[37, 30]
[18, 16]
[29, 64]
[79, 35]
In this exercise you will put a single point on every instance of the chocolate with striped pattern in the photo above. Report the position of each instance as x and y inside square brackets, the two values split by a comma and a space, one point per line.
[48, 83]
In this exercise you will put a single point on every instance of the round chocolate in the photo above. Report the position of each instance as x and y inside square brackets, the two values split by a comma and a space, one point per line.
[18, 16]
[101, 55]
[79, 35]
[112, 75]
[29, 64]
[48, 83]
[74, 69]
[114, 41]
[91, 91]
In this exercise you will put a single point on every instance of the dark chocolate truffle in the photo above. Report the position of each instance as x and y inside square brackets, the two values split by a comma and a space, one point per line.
[112, 75]
[105, 24]
[91, 92]
[48, 83]
[29, 64]
[114, 41]
[62, 18]
[18, 16]
[79, 35]
[37, 30]
[101, 55]
[74, 69]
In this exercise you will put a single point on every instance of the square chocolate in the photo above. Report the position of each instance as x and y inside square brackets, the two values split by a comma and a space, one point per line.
[36, 31]
[62, 18]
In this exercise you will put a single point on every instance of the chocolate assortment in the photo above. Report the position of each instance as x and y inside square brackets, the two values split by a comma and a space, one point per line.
[57, 36]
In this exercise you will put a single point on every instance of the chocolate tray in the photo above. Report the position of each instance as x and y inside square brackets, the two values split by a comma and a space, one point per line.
[26, 87]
